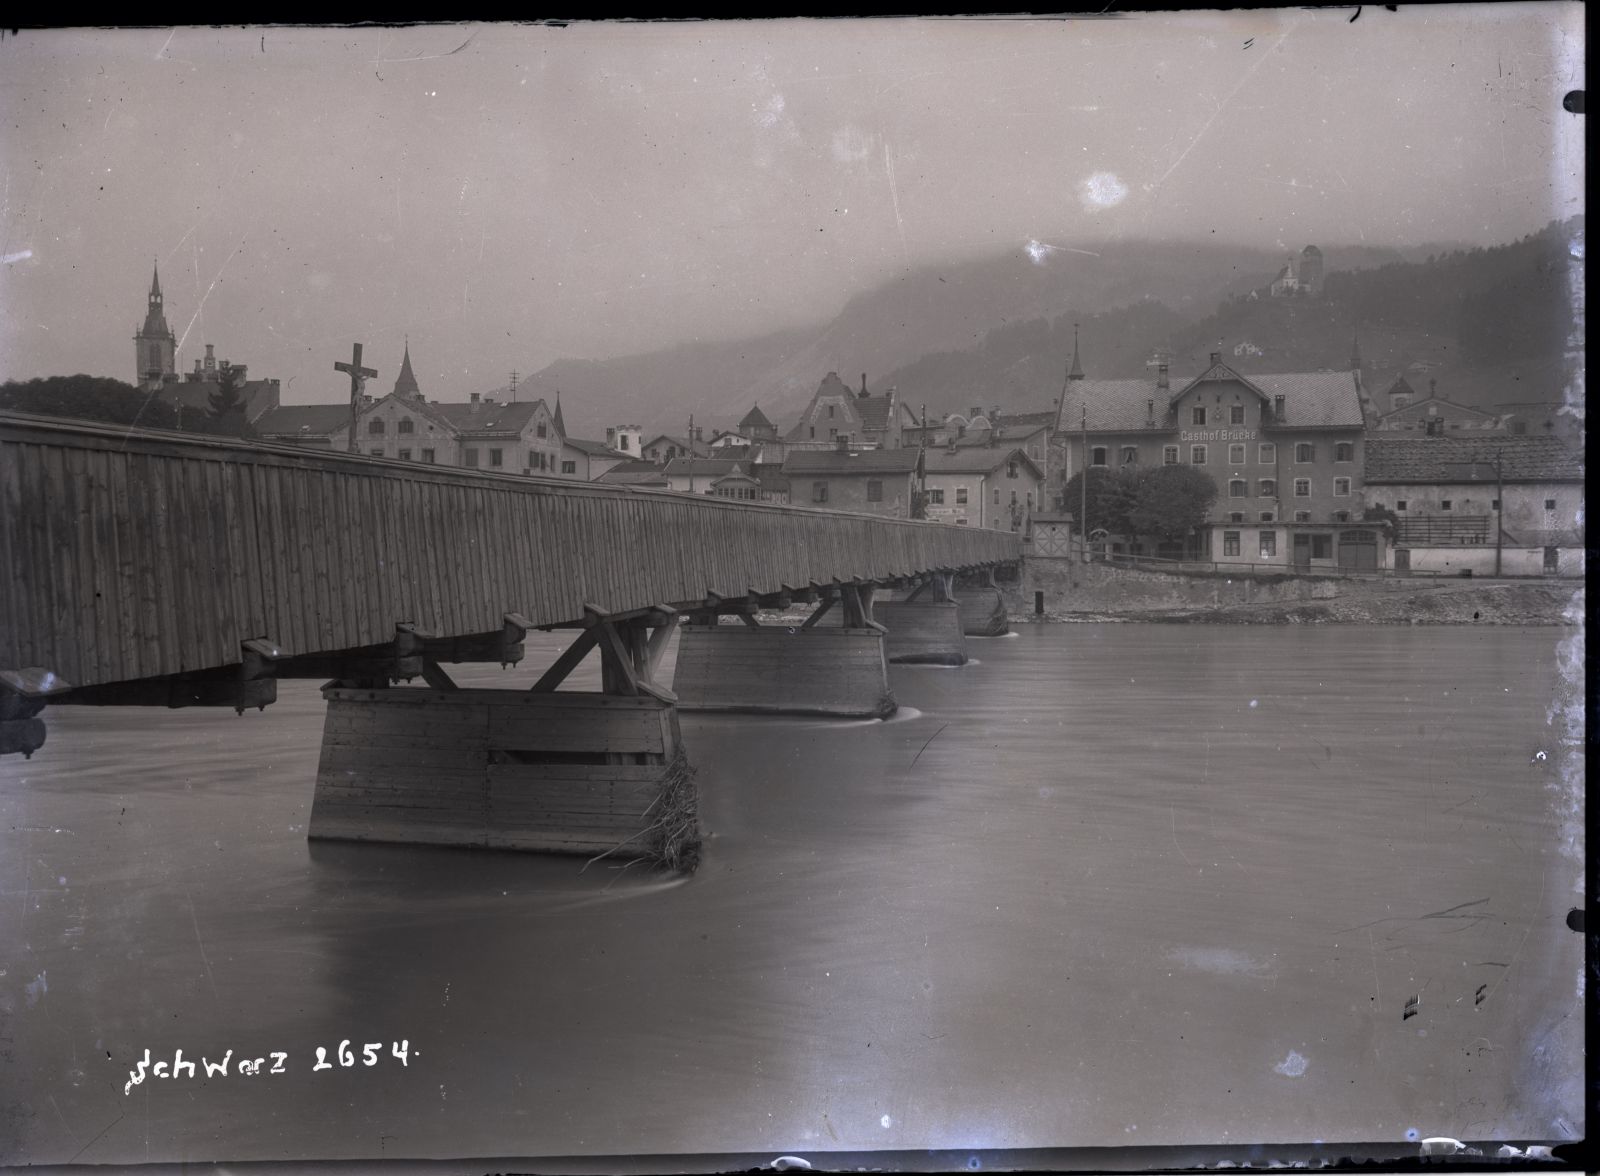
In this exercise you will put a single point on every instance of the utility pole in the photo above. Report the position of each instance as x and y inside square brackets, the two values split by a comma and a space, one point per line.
[513, 385]
[1499, 510]
[1083, 521]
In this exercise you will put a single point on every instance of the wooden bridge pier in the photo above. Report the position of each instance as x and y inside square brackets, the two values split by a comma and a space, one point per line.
[925, 628]
[812, 668]
[581, 772]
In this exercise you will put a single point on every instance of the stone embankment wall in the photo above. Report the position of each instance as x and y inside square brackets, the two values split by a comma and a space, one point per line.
[1099, 591]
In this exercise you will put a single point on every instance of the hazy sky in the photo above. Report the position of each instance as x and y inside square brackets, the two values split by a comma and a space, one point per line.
[509, 194]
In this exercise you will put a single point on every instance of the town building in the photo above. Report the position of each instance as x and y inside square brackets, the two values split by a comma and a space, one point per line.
[156, 367]
[1285, 450]
[664, 447]
[752, 482]
[872, 481]
[627, 439]
[755, 425]
[587, 460]
[1301, 276]
[857, 418]
[1433, 415]
[1488, 505]
[642, 475]
[998, 487]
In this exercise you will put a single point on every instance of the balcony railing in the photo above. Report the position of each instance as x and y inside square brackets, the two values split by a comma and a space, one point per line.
[1446, 531]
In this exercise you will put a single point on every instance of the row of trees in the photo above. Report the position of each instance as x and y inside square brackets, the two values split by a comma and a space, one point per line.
[98, 398]
[1164, 503]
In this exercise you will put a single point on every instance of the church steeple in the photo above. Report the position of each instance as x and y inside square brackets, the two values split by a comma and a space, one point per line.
[561, 425]
[1076, 371]
[154, 346]
[405, 384]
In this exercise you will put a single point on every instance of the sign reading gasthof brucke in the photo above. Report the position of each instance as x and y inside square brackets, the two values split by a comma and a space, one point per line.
[372, 1054]
[1216, 434]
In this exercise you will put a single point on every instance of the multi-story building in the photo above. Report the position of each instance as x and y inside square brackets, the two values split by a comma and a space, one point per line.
[1285, 450]
[858, 419]
[982, 486]
[1486, 505]
[156, 366]
[873, 481]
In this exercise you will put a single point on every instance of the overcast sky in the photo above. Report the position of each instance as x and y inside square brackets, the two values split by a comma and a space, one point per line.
[507, 194]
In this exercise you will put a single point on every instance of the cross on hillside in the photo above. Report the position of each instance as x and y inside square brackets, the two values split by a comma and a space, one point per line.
[358, 378]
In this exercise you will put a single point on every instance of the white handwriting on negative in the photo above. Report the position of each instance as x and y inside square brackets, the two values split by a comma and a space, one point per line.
[180, 1067]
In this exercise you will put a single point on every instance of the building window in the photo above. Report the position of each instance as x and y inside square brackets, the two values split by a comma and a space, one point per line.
[1267, 516]
[1302, 516]
[1302, 487]
[1230, 543]
[1198, 414]
[1267, 453]
[539, 430]
[830, 412]
[1322, 547]
[1097, 455]
[1444, 504]
[375, 427]
[1236, 455]
[1236, 414]
[1236, 516]
[1130, 455]
[405, 455]
[377, 451]
[1344, 451]
[1400, 504]
[813, 432]
[427, 456]
[496, 456]
[961, 496]
[1341, 516]
[874, 491]
[1549, 504]
[1305, 452]
[1238, 488]
[1341, 487]
[469, 457]
[406, 425]
[1269, 544]
[1169, 455]
[935, 497]
[997, 496]
[1197, 455]
[569, 467]
[1011, 469]
[819, 492]
[833, 434]
[1267, 488]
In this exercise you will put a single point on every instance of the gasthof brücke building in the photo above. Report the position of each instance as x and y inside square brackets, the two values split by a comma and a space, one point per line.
[1284, 449]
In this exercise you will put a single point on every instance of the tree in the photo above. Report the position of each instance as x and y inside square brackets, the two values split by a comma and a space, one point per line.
[93, 398]
[1110, 495]
[1170, 501]
[227, 415]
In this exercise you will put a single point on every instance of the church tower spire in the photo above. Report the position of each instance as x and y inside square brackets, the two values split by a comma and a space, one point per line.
[405, 384]
[1076, 371]
[155, 347]
[560, 423]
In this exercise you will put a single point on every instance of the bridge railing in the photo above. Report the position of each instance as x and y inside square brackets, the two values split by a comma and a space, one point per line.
[136, 553]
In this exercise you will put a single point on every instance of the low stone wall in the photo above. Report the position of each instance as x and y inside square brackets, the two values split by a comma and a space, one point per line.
[1091, 591]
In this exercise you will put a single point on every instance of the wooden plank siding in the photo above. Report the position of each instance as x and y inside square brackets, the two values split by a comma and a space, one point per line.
[135, 553]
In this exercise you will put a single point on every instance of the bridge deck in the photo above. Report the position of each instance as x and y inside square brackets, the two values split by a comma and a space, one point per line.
[138, 553]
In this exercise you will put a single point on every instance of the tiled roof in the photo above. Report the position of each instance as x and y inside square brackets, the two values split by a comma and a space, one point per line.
[1007, 432]
[295, 420]
[857, 461]
[634, 473]
[974, 459]
[755, 419]
[1311, 400]
[1034, 420]
[485, 417]
[701, 467]
[1446, 409]
[875, 413]
[595, 448]
[1466, 459]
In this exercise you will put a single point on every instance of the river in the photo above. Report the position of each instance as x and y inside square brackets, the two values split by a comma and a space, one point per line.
[1108, 885]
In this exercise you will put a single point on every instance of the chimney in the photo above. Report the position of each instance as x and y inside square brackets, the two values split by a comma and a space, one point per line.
[863, 385]
[1277, 407]
[1216, 358]
[1150, 410]
[1161, 376]
[1432, 386]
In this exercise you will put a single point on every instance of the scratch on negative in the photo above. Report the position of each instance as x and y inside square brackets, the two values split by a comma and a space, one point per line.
[1226, 102]
[97, 1138]
[924, 747]
[203, 958]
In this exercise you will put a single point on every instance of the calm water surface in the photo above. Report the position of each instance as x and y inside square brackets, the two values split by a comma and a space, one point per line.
[1112, 884]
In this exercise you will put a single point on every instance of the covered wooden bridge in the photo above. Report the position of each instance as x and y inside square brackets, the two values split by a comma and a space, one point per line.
[156, 568]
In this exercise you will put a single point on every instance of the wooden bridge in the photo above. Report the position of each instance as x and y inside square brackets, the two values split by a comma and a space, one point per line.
[156, 568]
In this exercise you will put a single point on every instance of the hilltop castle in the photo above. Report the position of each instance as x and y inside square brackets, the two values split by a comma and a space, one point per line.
[1302, 276]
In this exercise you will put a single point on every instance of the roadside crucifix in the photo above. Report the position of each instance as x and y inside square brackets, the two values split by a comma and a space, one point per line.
[358, 379]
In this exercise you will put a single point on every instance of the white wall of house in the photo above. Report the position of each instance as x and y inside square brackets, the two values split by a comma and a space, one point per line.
[393, 416]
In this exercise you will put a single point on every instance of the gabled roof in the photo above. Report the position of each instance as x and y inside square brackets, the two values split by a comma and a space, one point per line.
[1007, 432]
[700, 467]
[634, 473]
[595, 449]
[297, 420]
[755, 419]
[486, 417]
[1310, 400]
[1113, 405]
[857, 461]
[1046, 419]
[1455, 460]
[875, 411]
[976, 460]
[1420, 408]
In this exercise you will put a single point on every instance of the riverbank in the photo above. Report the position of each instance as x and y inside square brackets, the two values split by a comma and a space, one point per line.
[1534, 602]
